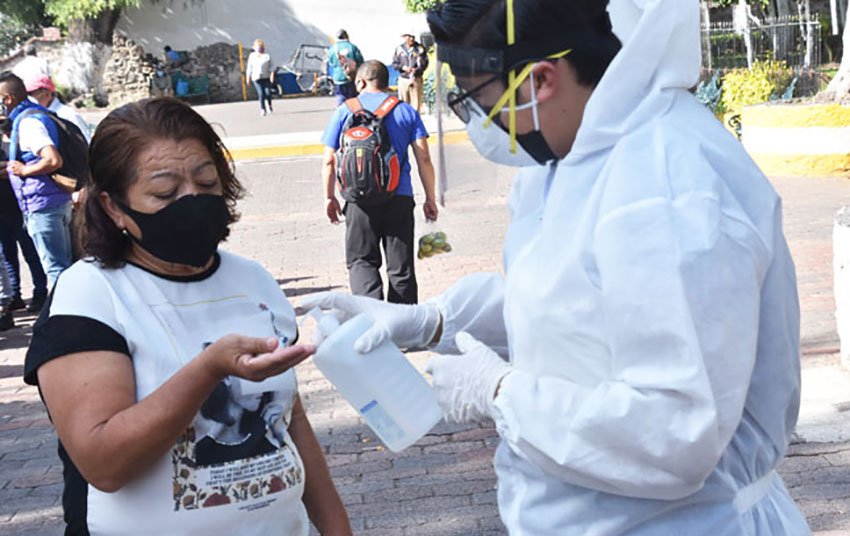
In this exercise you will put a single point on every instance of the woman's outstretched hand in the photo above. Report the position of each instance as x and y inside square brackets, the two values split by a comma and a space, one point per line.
[253, 358]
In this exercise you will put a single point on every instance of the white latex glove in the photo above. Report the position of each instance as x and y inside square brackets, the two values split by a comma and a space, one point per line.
[466, 384]
[406, 325]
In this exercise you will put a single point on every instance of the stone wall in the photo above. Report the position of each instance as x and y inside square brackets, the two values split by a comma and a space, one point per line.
[121, 73]
[127, 72]
[220, 61]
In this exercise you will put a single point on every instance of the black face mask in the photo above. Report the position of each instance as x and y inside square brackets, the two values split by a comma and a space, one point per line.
[187, 231]
[535, 144]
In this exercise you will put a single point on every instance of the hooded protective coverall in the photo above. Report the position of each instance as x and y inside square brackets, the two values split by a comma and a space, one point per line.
[650, 313]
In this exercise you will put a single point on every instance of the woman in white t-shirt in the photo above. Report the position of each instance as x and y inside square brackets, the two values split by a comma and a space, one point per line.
[259, 71]
[168, 422]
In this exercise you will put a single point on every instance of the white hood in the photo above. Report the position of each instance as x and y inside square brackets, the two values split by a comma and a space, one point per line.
[660, 56]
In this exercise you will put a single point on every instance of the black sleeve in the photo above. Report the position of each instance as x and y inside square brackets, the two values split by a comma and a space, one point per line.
[423, 62]
[59, 335]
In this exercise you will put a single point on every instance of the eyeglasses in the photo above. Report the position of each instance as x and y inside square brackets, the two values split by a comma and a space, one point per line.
[458, 99]
[459, 103]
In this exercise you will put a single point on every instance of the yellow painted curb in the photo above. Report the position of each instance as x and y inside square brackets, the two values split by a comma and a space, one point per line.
[312, 149]
[796, 115]
[278, 152]
[803, 165]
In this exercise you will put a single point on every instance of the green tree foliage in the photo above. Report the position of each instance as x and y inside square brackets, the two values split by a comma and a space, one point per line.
[64, 11]
[419, 6]
[14, 33]
[22, 12]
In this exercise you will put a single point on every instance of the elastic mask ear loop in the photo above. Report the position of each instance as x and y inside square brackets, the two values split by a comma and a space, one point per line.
[534, 102]
[497, 108]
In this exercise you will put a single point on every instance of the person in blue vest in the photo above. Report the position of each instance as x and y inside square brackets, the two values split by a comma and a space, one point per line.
[13, 234]
[344, 57]
[33, 156]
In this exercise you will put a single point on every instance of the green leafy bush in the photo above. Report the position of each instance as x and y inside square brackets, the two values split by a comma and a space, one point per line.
[419, 6]
[765, 81]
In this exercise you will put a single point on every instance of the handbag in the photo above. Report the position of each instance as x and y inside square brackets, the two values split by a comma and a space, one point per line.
[66, 183]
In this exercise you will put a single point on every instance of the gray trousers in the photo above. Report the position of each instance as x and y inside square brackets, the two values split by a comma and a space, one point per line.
[367, 230]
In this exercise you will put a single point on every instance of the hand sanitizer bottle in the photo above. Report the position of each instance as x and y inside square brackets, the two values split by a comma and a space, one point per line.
[388, 392]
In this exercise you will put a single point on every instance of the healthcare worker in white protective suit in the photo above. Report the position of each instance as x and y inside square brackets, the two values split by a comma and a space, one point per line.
[648, 308]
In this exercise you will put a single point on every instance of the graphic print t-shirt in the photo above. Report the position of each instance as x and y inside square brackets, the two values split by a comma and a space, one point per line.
[235, 470]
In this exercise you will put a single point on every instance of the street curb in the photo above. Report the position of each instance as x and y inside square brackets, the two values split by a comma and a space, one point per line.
[313, 149]
[807, 140]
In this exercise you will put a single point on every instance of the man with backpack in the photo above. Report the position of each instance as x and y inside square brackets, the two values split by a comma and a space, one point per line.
[34, 157]
[366, 155]
[344, 58]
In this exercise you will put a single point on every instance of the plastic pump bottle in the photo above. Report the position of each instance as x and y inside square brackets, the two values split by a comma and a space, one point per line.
[385, 389]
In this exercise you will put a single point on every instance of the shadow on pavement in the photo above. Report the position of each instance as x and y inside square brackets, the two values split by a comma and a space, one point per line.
[295, 292]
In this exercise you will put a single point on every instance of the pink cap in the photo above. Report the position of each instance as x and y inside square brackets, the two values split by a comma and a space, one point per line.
[41, 81]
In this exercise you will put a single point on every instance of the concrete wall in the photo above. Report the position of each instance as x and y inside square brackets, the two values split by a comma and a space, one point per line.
[373, 25]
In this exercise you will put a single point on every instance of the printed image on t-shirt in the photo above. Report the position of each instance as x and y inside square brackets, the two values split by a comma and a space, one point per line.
[237, 449]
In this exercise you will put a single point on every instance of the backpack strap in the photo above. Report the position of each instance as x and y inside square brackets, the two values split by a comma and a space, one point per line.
[15, 145]
[354, 105]
[386, 107]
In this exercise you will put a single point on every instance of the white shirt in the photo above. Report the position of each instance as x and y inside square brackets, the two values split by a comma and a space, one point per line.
[32, 136]
[68, 113]
[205, 484]
[31, 67]
[259, 66]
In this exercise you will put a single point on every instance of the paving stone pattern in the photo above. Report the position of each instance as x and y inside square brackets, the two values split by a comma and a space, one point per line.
[445, 483]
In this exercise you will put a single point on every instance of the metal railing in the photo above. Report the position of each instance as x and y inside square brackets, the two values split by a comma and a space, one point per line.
[794, 39]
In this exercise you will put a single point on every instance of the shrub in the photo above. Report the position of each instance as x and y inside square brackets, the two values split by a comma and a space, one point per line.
[766, 80]
[418, 6]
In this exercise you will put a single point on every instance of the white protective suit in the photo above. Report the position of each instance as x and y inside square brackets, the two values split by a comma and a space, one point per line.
[650, 313]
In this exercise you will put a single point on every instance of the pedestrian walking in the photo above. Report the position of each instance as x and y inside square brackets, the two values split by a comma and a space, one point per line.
[32, 65]
[33, 156]
[7, 321]
[259, 71]
[344, 58]
[42, 90]
[170, 421]
[410, 59]
[387, 223]
[14, 234]
[648, 308]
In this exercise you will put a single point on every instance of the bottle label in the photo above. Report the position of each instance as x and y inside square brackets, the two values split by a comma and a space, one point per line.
[381, 422]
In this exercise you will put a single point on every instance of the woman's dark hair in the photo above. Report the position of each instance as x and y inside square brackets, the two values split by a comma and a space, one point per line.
[483, 23]
[113, 160]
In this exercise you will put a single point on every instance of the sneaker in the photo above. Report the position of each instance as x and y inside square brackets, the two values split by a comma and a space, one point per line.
[6, 320]
[36, 303]
[17, 303]
[263, 113]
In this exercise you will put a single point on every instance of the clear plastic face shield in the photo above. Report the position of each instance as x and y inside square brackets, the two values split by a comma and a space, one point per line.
[485, 72]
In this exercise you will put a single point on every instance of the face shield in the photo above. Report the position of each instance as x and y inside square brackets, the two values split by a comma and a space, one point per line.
[478, 70]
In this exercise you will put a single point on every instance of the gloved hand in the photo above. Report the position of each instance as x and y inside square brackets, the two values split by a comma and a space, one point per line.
[407, 326]
[466, 384]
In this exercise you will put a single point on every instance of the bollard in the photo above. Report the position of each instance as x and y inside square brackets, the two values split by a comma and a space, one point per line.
[841, 268]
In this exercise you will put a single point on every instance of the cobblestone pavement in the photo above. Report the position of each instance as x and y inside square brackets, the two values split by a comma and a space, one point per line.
[445, 483]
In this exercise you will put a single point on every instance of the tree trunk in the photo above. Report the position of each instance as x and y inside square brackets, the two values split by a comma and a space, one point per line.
[839, 88]
[706, 36]
[781, 39]
[99, 29]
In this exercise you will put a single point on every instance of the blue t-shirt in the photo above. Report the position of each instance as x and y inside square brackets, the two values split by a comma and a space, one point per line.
[404, 126]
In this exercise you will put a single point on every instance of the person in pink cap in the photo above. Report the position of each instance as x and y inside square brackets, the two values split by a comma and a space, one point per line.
[41, 90]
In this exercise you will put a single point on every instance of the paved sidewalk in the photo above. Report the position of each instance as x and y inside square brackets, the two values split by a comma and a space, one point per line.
[445, 483]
